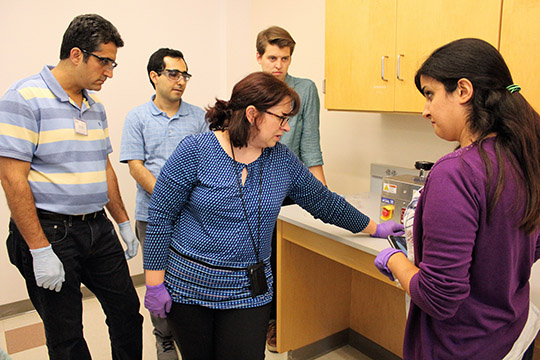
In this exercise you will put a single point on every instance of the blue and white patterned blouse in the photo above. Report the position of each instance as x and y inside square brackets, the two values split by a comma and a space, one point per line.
[197, 228]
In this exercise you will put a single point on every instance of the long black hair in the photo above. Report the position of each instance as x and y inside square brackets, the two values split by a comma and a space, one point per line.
[493, 109]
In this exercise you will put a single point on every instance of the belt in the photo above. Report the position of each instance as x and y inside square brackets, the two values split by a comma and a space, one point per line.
[43, 214]
[203, 263]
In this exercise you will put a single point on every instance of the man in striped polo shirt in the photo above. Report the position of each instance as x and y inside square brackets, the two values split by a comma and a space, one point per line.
[56, 173]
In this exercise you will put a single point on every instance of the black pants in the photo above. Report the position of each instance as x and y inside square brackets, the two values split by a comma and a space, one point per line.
[91, 254]
[529, 353]
[210, 334]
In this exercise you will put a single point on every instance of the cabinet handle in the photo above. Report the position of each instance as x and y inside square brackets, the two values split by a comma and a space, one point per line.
[398, 58]
[382, 68]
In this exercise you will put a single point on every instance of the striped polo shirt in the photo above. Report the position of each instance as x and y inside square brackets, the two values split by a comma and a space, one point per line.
[37, 125]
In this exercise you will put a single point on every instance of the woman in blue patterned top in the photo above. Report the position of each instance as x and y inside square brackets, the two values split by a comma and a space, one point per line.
[211, 218]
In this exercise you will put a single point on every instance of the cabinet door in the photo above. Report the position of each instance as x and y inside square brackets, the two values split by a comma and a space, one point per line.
[520, 41]
[424, 25]
[359, 34]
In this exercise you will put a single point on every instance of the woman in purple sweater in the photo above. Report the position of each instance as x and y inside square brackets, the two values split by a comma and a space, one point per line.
[476, 230]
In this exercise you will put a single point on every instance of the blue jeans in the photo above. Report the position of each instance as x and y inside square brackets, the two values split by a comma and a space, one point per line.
[91, 254]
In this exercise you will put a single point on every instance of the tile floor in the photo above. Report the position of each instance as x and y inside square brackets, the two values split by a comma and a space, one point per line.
[97, 337]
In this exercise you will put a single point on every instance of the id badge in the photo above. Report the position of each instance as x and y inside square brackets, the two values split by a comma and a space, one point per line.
[257, 279]
[80, 127]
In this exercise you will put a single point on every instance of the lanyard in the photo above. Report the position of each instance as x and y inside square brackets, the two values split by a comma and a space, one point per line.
[255, 247]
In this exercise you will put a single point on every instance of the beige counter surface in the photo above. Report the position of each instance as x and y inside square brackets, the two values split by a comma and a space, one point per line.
[367, 203]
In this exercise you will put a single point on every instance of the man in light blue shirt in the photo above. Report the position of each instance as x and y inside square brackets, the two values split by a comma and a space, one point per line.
[151, 133]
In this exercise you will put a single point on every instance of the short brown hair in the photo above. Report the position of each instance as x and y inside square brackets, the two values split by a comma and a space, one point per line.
[274, 35]
[258, 89]
[156, 62]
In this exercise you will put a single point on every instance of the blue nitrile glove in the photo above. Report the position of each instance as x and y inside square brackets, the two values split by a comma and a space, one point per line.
[388, 228]
[48, 269]
[157, 300]
[128, 236]
[381, 261]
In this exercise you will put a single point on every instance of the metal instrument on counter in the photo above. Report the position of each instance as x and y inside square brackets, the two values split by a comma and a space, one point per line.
[397, 192]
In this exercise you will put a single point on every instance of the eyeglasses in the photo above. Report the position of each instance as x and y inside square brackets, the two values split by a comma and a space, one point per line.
[104, 61]
[175, 75]
[284, 119]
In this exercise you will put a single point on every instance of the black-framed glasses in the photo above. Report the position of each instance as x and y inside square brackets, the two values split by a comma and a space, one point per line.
[175, 75]
[284, 119]
[104, 61]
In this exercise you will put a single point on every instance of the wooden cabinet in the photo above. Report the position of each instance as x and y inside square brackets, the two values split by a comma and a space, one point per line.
[520, 41]
[360, 37]
[374, 47]
[325, 286]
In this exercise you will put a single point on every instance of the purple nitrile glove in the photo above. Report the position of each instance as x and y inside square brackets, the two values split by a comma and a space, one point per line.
[381, 261]
[388, 228]
[157, 300]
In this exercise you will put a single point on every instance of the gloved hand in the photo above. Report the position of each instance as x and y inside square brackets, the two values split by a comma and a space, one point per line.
[128, 236]
[388, 228]
[157, 300]
[381, 261]
[48, 269]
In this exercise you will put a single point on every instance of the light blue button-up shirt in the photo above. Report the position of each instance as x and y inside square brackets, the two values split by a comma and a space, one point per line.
[151, 136]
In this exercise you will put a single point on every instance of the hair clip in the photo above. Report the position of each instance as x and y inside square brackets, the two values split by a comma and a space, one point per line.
[513, 88]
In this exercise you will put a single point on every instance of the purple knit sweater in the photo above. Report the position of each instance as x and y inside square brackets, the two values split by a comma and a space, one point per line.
[470, 299]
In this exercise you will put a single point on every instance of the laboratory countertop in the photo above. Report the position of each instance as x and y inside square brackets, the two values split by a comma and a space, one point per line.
[368, 203]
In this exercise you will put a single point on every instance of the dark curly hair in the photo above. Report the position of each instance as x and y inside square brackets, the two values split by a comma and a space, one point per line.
[88, 32]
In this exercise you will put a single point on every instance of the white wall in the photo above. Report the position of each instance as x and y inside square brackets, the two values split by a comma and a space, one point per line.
[218, 41]
[207, 32]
